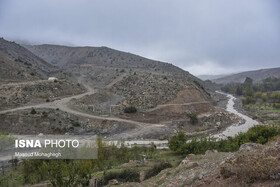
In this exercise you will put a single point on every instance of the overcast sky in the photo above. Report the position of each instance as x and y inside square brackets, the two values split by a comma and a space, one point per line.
[200, 36]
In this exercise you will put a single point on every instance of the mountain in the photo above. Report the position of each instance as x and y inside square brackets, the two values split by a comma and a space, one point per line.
[19, 62]
[64, 56]
[139, 81]
[102, 64]
[256, 75]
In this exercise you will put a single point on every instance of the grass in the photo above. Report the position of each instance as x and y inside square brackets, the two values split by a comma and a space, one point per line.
[262, 111]
[12, 177]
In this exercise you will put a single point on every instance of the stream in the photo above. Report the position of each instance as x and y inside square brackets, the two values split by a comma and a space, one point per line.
[230, 131]
[234, 129]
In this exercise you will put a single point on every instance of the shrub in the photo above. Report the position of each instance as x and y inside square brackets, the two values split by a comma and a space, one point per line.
[75, 123]
[44, 114]
[33, 111]
[258, 134]
[248, 100]
[156, 169]
[130, 109]
[175, 142]
[127, 175]
[193, 118]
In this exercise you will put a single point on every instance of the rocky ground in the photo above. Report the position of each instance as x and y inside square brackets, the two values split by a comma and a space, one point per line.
[54, 121]
[17, 94]
[253, 165]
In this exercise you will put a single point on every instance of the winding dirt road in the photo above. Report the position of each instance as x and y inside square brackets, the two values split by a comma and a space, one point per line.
[63, 105]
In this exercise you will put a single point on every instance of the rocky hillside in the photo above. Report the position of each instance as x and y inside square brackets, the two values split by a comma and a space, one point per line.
[257, 76]
[253, 165]
[146, 90]
[23, 56]
[140, 81]
[30, 92]
[15, 70]
[64, 56]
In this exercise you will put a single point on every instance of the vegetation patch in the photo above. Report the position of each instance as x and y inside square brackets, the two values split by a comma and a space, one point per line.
[258, 134]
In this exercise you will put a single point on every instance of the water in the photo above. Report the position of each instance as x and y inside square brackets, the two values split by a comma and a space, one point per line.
[234, 129]
[231, 131]
[160, 144]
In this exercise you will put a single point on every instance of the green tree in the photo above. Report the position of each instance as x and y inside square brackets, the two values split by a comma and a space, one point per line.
[175, 142]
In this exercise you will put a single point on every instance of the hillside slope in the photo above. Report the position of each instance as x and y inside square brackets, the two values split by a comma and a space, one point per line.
[13, 70]
[131, 76]
[256, 75]
[65, 56]
[14, 52]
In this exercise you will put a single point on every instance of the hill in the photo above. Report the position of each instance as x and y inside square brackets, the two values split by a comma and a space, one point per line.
[64, 56]
[19, 62]
[256, 75]
[137, 79]
[14, 70]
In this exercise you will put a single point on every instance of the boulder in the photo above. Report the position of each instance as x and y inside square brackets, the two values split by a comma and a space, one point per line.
[113, 182]
[248, 146]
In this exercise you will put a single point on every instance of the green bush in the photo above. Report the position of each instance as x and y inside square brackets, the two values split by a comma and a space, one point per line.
[156, 169]
[258, 134]
[130, 109]
[175, 142]
[75, 123]
[127, 175]
[33, 111]
[193, 118]
[248, 100]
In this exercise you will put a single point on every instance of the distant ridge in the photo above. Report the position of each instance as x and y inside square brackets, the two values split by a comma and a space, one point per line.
[256, 75]
[20, 54]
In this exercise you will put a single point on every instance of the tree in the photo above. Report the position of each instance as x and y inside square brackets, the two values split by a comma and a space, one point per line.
[193, 118]
[248, 80]
[248, 90]
[176, 141]
[33, 111]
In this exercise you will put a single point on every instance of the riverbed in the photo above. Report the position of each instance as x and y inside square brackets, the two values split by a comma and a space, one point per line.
[234, 129]
[230, 131]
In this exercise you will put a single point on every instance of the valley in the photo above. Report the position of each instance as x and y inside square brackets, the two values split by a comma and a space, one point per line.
[96, 86]
[188, 129]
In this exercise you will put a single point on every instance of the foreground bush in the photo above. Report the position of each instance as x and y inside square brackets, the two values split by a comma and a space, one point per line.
[127, 175]
[156, 169]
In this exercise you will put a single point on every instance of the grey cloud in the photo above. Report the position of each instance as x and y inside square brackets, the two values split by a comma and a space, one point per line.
[200, 36]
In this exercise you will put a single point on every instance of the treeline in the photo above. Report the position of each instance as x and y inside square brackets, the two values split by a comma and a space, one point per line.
[258, 134]
[79, 172]
[266, 91]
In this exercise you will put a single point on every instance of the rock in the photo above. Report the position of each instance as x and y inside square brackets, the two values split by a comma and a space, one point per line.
[188, 164]
[142, 176]
[162, 178]
[184, 162]
[113, 182]
[248, 146]
[190, 155]
[209, 152]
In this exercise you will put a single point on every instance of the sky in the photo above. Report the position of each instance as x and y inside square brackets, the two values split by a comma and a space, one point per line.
[200, 36]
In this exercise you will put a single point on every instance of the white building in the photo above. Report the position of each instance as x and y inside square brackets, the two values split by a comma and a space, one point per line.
[52, 79]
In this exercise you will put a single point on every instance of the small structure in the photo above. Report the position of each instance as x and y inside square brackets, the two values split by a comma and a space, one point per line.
[52, 79]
